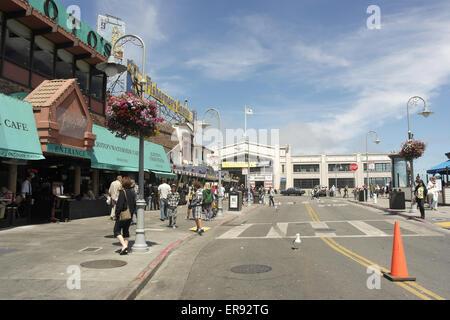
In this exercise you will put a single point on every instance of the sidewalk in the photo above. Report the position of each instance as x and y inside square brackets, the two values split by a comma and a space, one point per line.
[35, 260]
[440, 217]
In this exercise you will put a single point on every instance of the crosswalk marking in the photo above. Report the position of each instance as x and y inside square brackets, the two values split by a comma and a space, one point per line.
[273, 234]
[414, 228]
[283, 227]
[367, 228]
[235, 232]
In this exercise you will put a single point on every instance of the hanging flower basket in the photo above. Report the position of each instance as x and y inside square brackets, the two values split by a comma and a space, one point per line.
[412, 149]
[128, 115]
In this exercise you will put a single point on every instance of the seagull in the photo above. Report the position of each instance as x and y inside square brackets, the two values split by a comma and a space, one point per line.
[296, 242]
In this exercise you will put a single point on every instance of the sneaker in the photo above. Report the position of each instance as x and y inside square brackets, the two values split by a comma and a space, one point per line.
[200, 232]
[174, 227]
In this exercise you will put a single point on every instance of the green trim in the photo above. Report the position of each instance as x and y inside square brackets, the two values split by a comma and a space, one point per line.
[165, 175]
[68, 151]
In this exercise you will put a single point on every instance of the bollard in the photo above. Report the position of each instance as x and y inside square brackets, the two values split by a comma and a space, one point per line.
[375, 198]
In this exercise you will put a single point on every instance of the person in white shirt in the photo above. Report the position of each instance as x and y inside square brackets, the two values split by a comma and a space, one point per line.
[114, 193]
[163, 191]
[433, 193]
[26, 187]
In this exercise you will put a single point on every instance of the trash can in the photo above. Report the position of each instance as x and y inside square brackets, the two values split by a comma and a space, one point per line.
[235, 201]
[397, 200]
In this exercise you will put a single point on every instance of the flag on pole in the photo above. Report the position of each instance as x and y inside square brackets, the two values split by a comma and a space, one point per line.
[248, 111]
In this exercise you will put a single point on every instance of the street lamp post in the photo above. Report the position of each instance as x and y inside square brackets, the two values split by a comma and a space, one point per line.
[247, 139]
[425, 113]
[219, 147]
[111, 68]
[377, 141]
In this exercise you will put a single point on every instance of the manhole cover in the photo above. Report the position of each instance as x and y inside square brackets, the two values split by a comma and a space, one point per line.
[325, 230]
[251, 269]
[103, 264]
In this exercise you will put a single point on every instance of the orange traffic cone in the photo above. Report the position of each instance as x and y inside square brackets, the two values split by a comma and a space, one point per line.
[399, 271]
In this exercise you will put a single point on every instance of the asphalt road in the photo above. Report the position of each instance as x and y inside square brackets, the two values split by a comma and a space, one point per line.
[339, 241]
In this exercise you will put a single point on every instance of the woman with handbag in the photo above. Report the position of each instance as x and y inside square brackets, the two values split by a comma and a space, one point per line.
[126, 204]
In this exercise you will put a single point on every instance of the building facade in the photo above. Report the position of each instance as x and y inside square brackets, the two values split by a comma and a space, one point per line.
[277, 167]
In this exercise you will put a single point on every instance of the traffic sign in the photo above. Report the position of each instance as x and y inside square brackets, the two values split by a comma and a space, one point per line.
[354, 167]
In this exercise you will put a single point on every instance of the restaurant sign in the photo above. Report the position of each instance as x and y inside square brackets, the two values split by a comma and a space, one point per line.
[151, 89]
[70, 19]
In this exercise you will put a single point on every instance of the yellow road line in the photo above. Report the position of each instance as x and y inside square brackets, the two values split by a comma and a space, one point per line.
[443, 224]
[366, 262]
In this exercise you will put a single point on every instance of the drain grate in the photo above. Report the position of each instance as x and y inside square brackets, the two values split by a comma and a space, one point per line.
[325, 230]
[6, 251]
[91, 249]
[251, 269]
[103, 264]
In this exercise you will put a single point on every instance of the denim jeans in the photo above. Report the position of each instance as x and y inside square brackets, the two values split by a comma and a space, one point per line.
[163, 206]
[207, 210]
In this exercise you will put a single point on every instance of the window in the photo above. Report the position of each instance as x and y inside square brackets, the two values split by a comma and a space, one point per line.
[306, 168]
[341, 182]
[282, 168]
[306, 183]
[97, 87]
[43, 57]
[339, 167]
[17, 49]
[380, 167]
[83, 80]
[378, 181]
[63, 69]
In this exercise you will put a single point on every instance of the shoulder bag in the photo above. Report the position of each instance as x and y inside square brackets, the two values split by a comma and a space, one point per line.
[125, 215]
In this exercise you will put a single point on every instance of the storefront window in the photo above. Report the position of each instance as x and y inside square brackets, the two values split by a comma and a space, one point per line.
[63, 69]
[97, 87]
[306, 183]
[43, 61]
[342, 182]
[17, 49]
[306, 168]
[83, 80]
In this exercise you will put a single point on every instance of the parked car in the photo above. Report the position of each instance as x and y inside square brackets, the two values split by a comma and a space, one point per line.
[293, 191]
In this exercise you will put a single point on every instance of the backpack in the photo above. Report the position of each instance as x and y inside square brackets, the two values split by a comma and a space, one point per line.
[208, 196]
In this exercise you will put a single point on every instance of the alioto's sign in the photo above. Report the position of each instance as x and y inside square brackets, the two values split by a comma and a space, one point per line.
[152, 90]
[70, 19]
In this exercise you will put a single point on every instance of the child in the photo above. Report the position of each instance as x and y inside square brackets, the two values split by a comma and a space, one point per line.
[173, 198]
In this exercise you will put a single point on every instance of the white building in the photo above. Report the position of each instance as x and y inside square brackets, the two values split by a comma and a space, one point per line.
[275, 166]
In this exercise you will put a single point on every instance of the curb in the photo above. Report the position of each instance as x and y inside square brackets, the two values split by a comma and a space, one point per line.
[135, 286]
[396, 212]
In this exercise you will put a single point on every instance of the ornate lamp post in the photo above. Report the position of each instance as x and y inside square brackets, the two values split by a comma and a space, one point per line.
[377, 141]
[219, 147]
[425, 113]
[111, 68]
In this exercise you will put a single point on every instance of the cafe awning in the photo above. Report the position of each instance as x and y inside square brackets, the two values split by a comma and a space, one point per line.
[112, 153]
[18, 133]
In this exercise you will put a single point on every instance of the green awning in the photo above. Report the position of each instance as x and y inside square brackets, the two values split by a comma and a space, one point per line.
[112, 153]
[18, 133]
[166, 175]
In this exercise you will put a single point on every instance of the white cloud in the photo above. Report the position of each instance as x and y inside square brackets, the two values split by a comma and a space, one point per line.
[388, 67]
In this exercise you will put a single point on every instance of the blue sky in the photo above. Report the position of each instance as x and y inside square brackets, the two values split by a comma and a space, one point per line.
[310, 68]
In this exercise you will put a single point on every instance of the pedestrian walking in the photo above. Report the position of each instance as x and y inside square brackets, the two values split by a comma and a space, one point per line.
[346, 192]
[114, 193]
[208, 198]
[333, 191]
[126, 201]
[420, 195]
[134, 189]
[271, 195]
[163, 191]
[433, 194]
[154, 195]
[190, 194]
[173, 199]
[196, 206]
